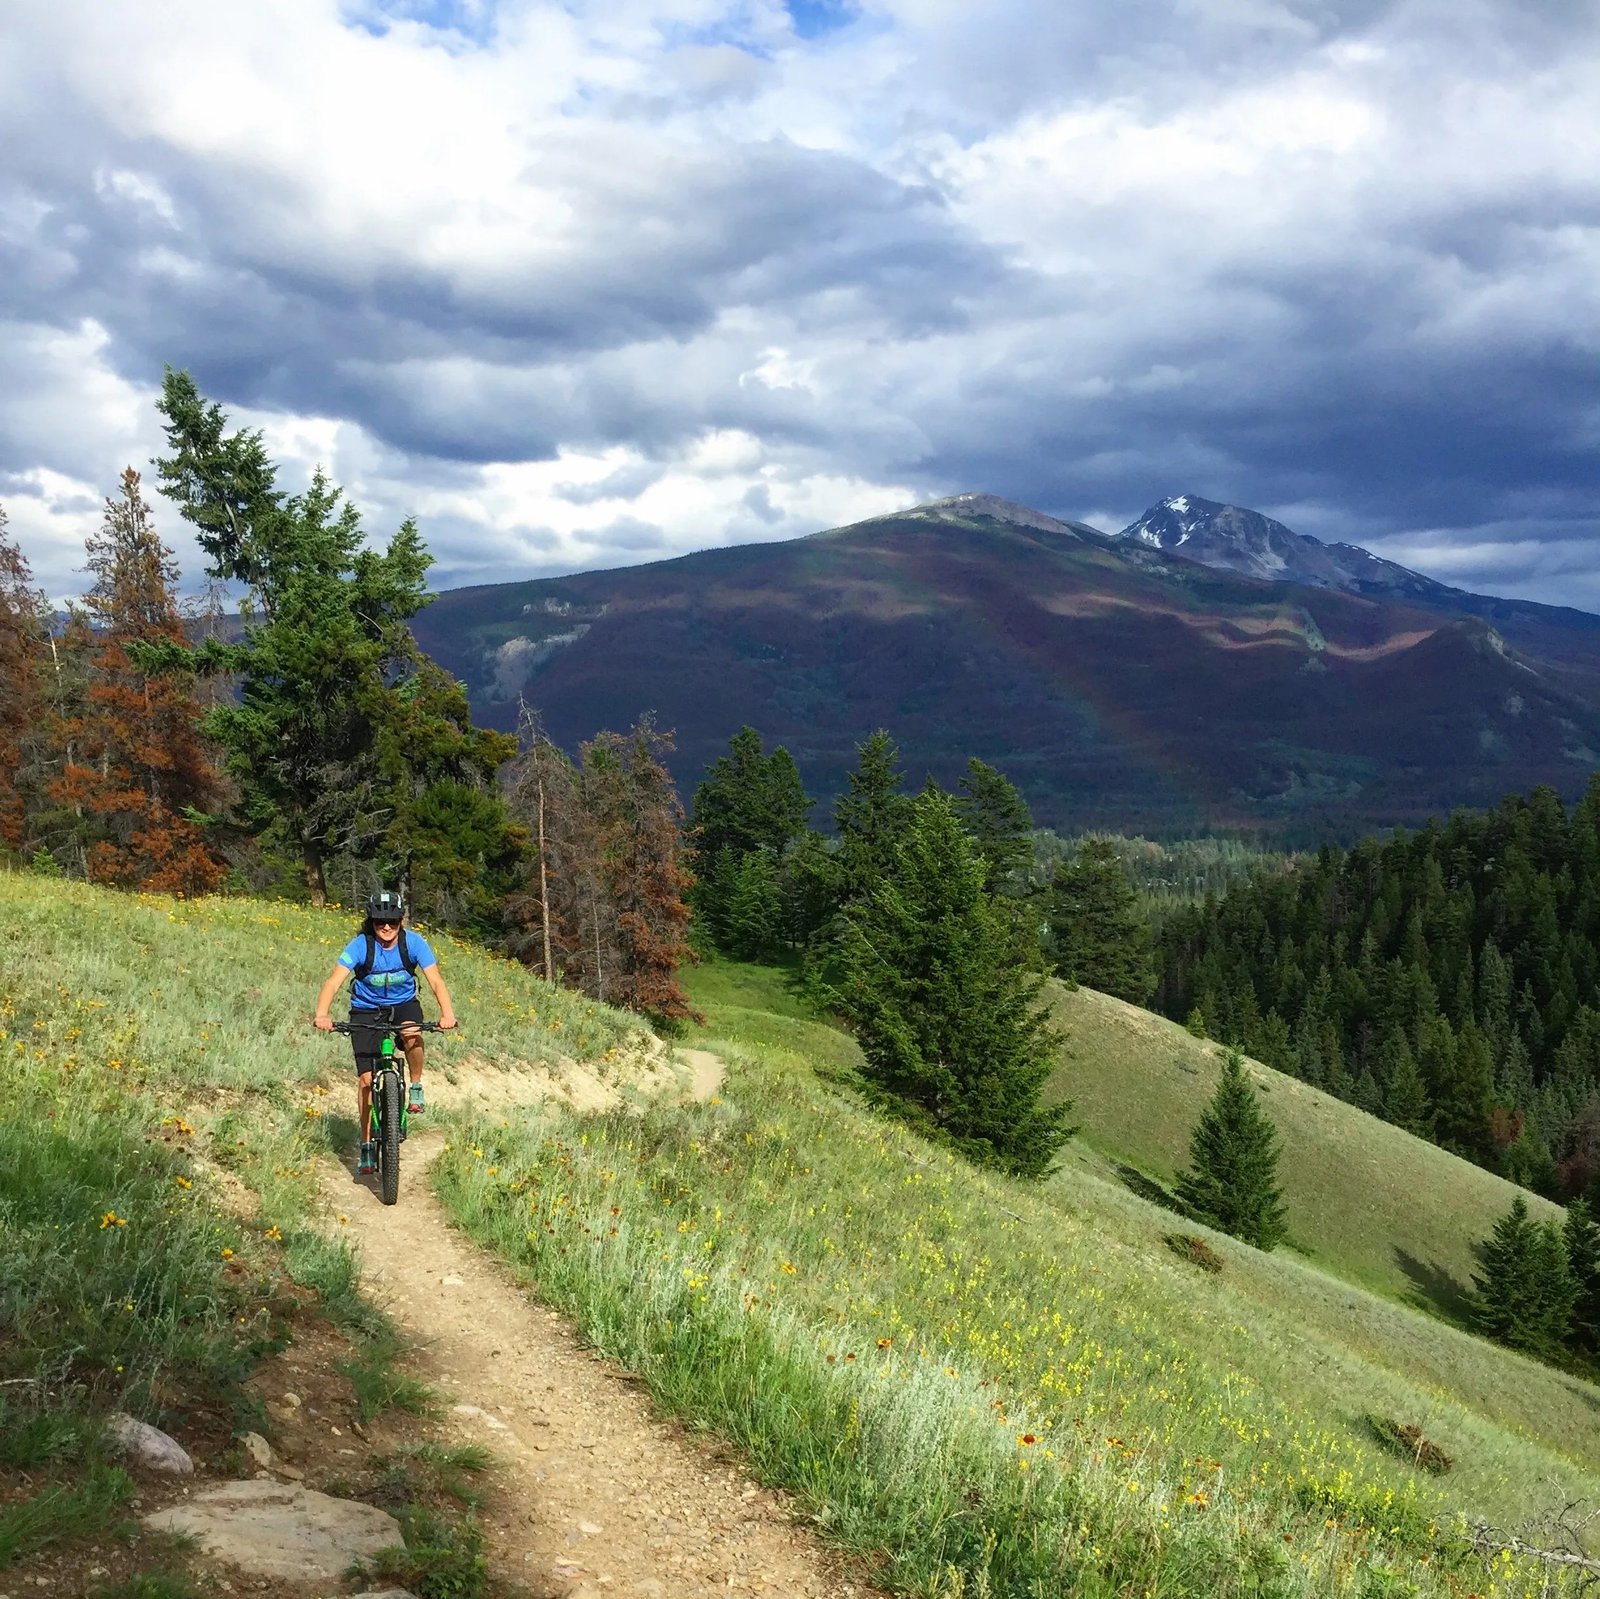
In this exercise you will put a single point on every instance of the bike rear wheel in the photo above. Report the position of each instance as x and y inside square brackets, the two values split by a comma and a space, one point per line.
[389, 1137]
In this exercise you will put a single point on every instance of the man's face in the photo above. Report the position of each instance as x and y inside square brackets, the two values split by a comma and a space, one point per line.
[386, 929]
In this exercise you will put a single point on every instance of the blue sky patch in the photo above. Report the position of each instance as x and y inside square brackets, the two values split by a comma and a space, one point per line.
[813, 19]
[470, 20]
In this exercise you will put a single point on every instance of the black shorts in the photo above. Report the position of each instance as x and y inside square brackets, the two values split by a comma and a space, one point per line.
[367, 1042]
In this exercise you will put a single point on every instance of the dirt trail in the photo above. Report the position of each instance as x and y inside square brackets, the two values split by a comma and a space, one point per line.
[594, 1495]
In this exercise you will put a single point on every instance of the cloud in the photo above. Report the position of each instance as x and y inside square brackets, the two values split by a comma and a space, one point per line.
[588, 283]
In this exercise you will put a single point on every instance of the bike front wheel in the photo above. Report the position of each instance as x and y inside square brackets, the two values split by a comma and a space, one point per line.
[389, 1137]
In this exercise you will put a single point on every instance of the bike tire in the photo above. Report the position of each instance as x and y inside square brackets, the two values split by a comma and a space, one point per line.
[389, 1138]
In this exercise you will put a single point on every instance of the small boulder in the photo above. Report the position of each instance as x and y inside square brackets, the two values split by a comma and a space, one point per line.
[274, 1529]
[259, 1450]
[148, 1446]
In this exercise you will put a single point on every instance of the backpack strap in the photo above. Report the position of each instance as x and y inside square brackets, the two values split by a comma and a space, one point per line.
[407, 959]
[363, 967]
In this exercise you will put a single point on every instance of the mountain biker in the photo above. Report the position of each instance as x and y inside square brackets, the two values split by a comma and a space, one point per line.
[383, 957]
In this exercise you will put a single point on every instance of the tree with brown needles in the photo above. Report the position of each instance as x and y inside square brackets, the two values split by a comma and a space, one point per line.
[21, 636]
[601, 905]
[138, 764]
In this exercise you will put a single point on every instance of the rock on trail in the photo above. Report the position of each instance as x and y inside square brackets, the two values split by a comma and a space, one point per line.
[271, 1529]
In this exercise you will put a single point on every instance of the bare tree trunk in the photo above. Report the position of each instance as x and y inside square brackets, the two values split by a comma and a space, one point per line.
[599, 974]
[311, 861]
[544, 893]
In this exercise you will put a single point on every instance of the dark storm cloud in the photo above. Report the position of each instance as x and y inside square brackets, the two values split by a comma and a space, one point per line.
[1336, 260]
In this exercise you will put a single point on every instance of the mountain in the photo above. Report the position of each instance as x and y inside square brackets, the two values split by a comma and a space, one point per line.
[1118, 684]
[1240, 540]
[1232, 538]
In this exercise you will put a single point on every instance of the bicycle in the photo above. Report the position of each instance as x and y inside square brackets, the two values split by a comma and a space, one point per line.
[387, 1114]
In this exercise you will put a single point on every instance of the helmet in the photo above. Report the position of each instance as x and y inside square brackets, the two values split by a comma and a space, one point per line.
[385, 904]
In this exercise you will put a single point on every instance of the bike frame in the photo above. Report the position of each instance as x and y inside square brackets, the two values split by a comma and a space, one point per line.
[385, 1073]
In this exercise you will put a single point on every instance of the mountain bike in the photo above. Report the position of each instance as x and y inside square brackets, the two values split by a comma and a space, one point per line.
[387, 1114]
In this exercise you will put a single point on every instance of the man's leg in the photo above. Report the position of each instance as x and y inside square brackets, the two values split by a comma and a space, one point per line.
[364, 1115]
[411, 1043]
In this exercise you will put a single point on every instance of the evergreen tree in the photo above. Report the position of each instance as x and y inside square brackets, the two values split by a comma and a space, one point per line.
[20, 640]
[749, 804]
[752, 908]
[450, 842]
[951, 1028]
[1001, 825]
[1096, 933]
[748, 801]
[811, 887]
[327, 652]
[1523, 1294]
[1581, 1236]
[870, 816]
[1405, 1098]
[1232, 1181]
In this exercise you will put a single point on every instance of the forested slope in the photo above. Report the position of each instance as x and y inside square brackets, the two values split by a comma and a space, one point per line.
[1444, 979]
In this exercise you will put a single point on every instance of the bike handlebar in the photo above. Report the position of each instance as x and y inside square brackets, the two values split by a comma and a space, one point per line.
[390, 1027]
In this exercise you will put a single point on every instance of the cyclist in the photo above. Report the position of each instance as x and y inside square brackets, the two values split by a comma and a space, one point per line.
[383, 958]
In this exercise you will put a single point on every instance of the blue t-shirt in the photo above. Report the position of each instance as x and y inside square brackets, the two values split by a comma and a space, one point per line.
[388, 983]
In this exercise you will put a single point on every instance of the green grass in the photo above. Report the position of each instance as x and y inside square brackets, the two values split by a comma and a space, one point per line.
[986, 1387]
[1028, 1392]
[1367, 1201]
[153, 1053]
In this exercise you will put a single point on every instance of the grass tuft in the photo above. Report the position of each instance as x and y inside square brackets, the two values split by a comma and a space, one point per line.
[1186, 1246]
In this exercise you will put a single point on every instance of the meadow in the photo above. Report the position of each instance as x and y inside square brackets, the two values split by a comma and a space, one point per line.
[1368, 1202]
[986, 1387]
[163, 1106]
[979, 1386]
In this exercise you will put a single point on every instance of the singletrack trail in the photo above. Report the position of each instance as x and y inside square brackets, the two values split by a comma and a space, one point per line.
[592, 1493]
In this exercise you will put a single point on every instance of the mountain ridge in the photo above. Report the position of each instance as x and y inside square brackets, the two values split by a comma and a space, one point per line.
[1120, 685]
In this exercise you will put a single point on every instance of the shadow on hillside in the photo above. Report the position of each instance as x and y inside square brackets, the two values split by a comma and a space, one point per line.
[1434, 1287]
[1146, 1187]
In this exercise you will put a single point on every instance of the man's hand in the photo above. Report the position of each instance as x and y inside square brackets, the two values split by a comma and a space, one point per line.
[447, 1020]
[322, 1023]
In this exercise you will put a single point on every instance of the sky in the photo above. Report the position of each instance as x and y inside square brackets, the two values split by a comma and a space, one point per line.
[586, 284]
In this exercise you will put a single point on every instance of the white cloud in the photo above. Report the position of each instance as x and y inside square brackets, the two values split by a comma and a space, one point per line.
[567, 272]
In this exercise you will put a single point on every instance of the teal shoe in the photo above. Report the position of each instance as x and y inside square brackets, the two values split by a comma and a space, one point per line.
[415, 1104]
[369, 1159]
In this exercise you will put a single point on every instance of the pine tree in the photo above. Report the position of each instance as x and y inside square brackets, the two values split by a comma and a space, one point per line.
[870, 815]
[1582, 1238]
[752, 908]
[748, 803]
[449, 842]
[1001, 825]
[20, 640]
[326, 643]
[137, 765]
[637, 858]
[950, 1025]
[1523, 1294]
[1232, 1181]
[1405, 1098]
[1097, 935]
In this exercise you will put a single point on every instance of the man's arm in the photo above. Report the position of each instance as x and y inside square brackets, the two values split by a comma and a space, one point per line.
[447, 1014]
[334, 983]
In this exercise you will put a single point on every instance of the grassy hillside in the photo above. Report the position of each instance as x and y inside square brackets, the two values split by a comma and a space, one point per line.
[163, 1103]
[983, 1387]
[1367, 1201]
[1003, 1389]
